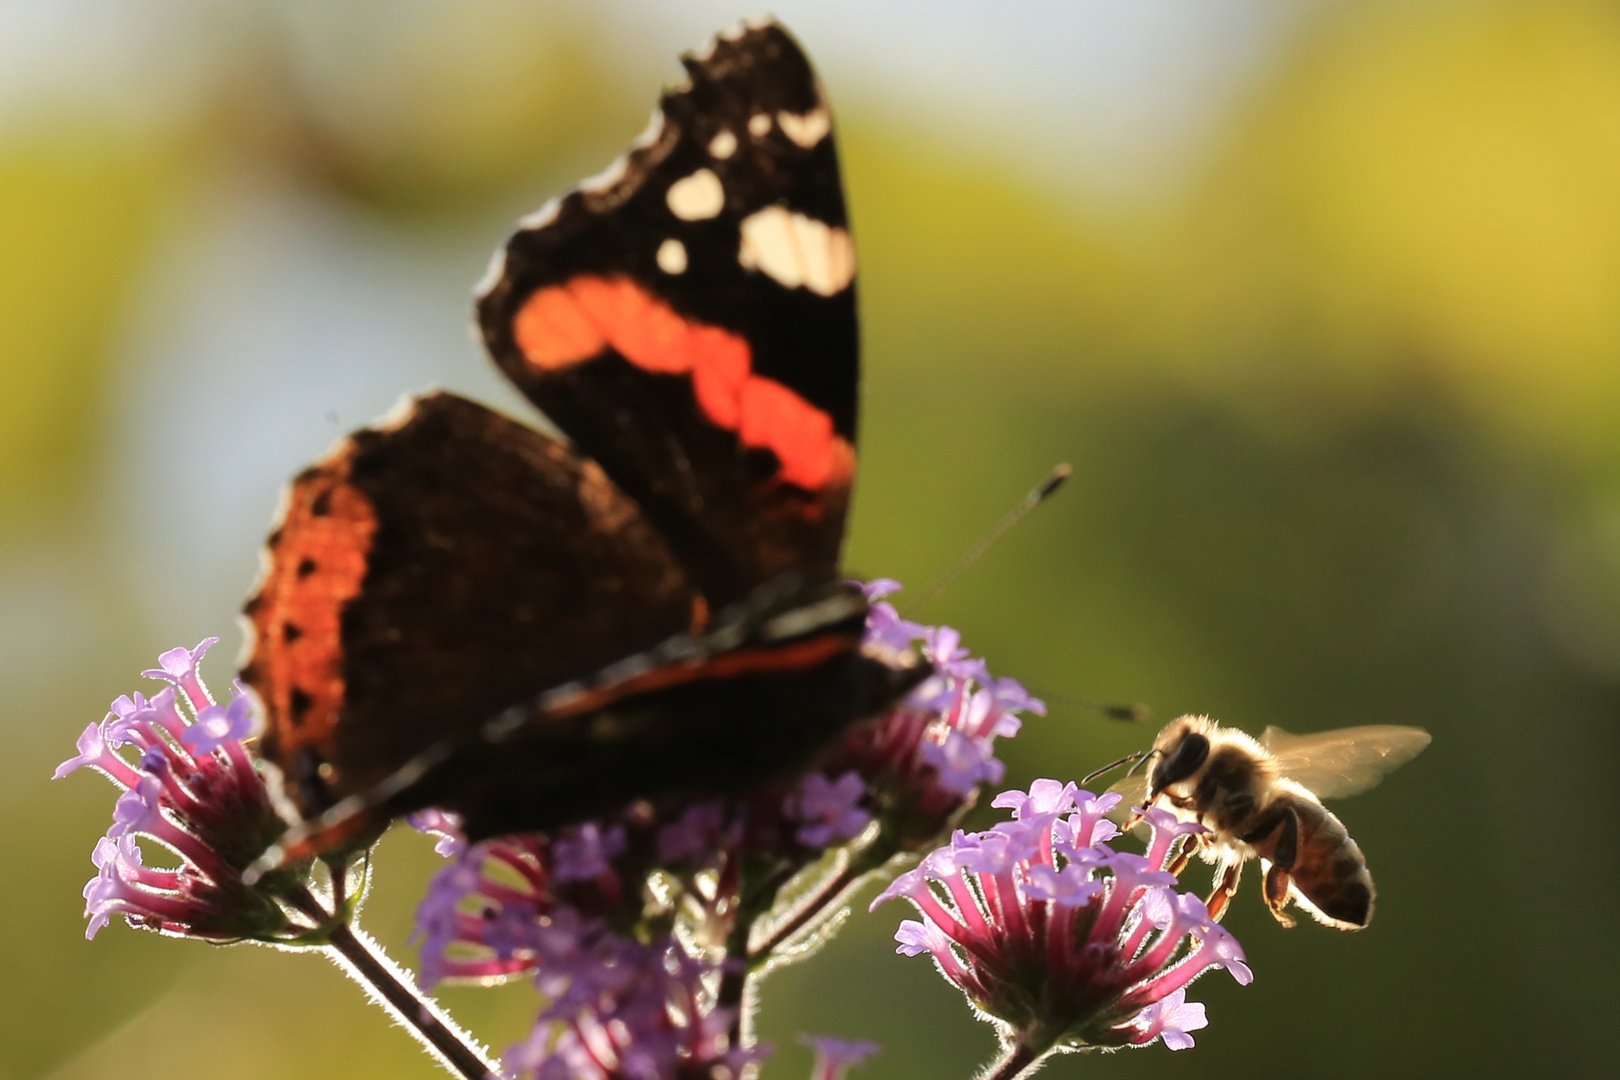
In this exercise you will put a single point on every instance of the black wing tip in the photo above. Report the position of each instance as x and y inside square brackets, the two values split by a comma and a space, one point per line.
[756, 52]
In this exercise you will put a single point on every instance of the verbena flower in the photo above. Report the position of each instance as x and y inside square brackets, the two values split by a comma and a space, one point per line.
[926, 759]
[835, 1057]
[621, 1010]
[482, 914]
[192, 788]
[576, 908]
[1060, 940]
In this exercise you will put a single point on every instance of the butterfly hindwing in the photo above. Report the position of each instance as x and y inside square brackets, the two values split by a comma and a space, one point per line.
[431, 571]
[688, 318]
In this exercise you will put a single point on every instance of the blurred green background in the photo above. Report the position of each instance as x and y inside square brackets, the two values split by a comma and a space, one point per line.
[1321, 299]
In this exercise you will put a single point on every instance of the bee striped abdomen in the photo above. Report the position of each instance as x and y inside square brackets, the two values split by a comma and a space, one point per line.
[1330, 873]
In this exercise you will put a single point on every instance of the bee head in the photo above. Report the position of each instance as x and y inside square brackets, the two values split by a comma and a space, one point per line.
[1184, 754]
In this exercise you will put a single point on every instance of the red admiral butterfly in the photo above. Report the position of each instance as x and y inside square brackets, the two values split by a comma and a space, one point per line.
[460, 611]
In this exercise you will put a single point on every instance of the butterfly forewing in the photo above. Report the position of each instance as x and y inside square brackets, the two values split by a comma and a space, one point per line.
[688, 319]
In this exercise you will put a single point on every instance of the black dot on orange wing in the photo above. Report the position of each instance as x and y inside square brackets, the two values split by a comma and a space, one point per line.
[318, 560]
[299, 703]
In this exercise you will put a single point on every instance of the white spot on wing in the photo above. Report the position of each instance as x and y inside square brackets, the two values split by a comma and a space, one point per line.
[696, 197]
[759, 125]
[797, 251]
[672, 256]
[723, 146]
[806, 129]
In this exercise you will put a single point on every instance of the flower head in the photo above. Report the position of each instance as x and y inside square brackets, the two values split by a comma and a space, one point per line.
[926, 759]
[830, 810]
[1064, 942]
[621, 1010]
[194, 790]
[577, 907]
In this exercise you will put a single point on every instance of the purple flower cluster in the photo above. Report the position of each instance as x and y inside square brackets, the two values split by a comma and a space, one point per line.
[559, 907]
[571, 907]
[1062, 941]
[192, 789]
[926, 759]
[639, 931]
[623, 1009]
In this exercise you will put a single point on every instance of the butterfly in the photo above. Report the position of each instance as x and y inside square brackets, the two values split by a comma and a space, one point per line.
[458, 610]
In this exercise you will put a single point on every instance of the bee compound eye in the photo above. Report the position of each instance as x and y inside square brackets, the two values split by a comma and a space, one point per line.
[1180, 762]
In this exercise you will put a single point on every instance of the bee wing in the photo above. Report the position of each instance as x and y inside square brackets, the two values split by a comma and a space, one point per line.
[1348, 761]
[1133, 792]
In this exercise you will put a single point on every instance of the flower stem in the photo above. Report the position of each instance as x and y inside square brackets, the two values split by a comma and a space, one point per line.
[1019, 1059]
[388, 986]
[829, 895]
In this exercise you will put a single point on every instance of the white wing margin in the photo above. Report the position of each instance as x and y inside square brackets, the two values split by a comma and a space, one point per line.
[1347, 761]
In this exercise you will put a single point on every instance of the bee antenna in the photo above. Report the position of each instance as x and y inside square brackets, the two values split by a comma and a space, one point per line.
[1111, 766]
[1040, 494]
[1144, 759]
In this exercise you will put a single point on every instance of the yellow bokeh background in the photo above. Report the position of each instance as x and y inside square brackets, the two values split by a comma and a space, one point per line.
[1341, 387]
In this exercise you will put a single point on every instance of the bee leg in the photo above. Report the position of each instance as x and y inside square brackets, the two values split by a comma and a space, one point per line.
[1225, 889]
[1276, 894]
[1189, 847]
[1284, 854]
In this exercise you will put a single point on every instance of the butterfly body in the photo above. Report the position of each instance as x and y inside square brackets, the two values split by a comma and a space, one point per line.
[460, 611]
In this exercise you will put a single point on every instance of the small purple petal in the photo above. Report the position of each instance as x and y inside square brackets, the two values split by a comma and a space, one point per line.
[219, 724]
[1069, 887]
[92, 751]
[829, 809]
[878, 588]
[962, 763]
[916, 938]
[584, 852]
[835, 1057]
[695, 835]
[179, 664]
[446, 826]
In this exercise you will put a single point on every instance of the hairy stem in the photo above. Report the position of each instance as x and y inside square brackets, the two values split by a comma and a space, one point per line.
[367, 964]
[829, 895]
[1018, 1060]
[806, 913]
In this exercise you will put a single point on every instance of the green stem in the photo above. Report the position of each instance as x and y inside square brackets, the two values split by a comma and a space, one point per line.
[829, 895]
[366, 963]
[1019, 1060]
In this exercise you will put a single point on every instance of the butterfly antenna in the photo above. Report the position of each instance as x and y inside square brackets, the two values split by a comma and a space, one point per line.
[1042, 492]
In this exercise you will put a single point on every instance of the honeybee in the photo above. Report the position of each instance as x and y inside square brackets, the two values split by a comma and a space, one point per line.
[1262, 799]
